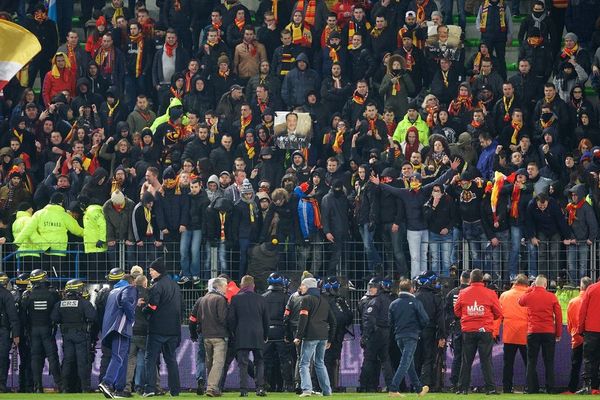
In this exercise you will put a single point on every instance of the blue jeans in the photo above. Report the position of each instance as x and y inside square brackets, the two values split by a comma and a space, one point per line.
[543, 259]
[577, 260]
[190, 242]
[396, 240]
[201, 359]
[457, 237]
[167, 345]
[407, 347]
[417, 245]
[447, 6]
[515, 248]
[314, 349]
[221, 259]
[373, 257]
[474, 235]
[440, 247]
[498, 254]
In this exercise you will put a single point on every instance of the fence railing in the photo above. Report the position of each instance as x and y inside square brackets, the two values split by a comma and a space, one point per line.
[351, 261]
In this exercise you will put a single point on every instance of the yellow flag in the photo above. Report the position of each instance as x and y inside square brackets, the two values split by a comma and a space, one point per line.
[17, 47]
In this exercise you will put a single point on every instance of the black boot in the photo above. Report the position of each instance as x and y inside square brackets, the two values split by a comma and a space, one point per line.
[200, 387]
[587, 387]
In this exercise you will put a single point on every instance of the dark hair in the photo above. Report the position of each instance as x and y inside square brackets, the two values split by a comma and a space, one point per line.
[541, 197]
[476, 275]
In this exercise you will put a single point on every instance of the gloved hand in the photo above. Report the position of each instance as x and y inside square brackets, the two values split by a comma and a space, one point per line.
[99, 244]
[363, 342]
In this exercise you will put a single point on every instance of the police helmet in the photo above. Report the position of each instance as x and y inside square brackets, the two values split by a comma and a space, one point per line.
[427, 278]
[3, 278]
[275, 279]
[38, 276]
[386, 284]
[331, 284]
[115, 274]
[74, 286]
[22, 280]
[375, 282]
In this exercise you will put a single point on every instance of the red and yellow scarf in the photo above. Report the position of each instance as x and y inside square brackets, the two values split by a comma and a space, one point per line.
[507, 106]
[309, 16]
[244, 122]
[358, 98]
[430, 112]
[250, 150]
[484, 15]
[572, 210]
[240, 23]
[517, 126]
[338, 142]
[421, 16]
[568, 53]
[139, 40]
[105, 59]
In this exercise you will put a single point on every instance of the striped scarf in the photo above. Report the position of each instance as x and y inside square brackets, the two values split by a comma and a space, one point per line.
[572, 210]
[338, 142]
[517, 126]
[139, 40]
[244, 122]
[421, 16]
[250, 150]
[309, 16]
[484, 15]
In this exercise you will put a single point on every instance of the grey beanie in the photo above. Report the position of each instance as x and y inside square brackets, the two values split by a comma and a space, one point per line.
[571, 36]
[310, 283]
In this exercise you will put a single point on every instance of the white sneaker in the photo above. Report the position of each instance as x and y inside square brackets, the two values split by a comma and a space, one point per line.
[106, 391]
[305, 394]
[183, 280]
[316, 393]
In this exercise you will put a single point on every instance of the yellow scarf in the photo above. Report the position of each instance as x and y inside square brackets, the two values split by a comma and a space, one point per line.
[222, 217]
[250, 150]
[338, 142]
[244, 122]
[251, 206]
[112, 109]
[118, 13]
[507, 106]
[516, 129]
[484, 15]
[148, 216]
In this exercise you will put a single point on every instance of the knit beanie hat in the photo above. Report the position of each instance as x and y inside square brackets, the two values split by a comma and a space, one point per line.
[310, 283]
[117, 198]
[247, 187]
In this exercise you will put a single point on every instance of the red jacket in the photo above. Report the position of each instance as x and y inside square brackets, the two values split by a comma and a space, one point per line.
[477, 307]
[573, 320]
[543, 311]
[589, 320]
[53, 86]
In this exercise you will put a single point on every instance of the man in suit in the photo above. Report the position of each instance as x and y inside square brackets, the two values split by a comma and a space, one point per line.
[249, 322]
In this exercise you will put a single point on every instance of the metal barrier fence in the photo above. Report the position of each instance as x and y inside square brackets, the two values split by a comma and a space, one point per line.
[354, 261]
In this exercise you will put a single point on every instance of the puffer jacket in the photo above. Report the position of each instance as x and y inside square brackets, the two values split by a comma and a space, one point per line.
[118, 224]
[94, 229]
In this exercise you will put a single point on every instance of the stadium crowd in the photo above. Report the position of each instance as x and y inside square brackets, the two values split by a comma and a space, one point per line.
[293, 129]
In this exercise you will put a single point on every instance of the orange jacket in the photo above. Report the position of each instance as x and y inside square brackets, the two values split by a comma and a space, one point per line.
[573, 320]
[514, 316]
[543, 311]
[232, 290]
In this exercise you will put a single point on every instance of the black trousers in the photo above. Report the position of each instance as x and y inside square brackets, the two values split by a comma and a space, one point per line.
[591, 356]
[104, 361]
[376, 356]
[476, 342]
[425, 356]
[535, 342]
[44, 343]
[25, 375]
[576, 360]
[5, 345]
[278, 355]
[76, 356]
[243, 359]
[456, 358]
[510, 354]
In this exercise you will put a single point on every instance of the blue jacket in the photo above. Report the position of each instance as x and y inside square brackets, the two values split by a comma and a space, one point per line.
[407, 316]
[485, 164]
[119, 314]
[306, 214]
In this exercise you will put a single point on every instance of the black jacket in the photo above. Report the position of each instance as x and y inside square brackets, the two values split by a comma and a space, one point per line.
[442, 216]
[196, 149]
[334, 215]
[434, 306]
[9, 316]
[248, 320]
[164, 307]
[196, 210]
[317, 321]
[221, 159]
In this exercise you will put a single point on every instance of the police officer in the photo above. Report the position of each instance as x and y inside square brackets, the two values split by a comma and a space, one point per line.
[20, 285]
[74, 314]
[277, 352]
[343, 316]
[433, 336]
[114, 276]
[454, 331]
[37, 305]
[10, 326]
[375, 330]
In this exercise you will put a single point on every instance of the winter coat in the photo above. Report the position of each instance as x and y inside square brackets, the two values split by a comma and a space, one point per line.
[164, 307]
[334, 215]
[138, 120]
[119, 224]
[248, 320]
[514, 316]
[212, 316]
[585, 225]
[405, 123]
[21, 221]
[94, 229]
[407, 316]
[393, 98]
[297, 84]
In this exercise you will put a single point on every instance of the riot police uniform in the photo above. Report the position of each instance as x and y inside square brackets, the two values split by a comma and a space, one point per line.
[114, 276]
[428, 292]
[278, 353]
[10, 326]
[25, 377]
[454, 334]
[343, 317]
[291, 320]
[74, 314]
[38, 304]
[375, 339]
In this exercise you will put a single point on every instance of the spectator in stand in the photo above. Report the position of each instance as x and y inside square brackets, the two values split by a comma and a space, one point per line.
[584, 229]
[440, 214]
[573, 310]
[477, 307]
[514, 329]
[544, 328]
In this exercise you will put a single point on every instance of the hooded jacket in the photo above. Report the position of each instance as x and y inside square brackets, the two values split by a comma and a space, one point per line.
[93, 189]
[118, 224]
[50, 226]
[297, 83]
[54, 85]
[196, 101]
[87, 97]
[396, 97]
[400, 132]
[94, 229]
[585, 225]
